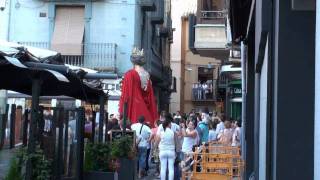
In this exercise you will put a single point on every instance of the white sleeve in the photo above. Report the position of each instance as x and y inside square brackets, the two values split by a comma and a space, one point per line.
[159, 129]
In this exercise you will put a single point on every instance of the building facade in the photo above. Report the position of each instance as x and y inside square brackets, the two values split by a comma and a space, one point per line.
[196, 67]
[156, 37]
[278, 45]
[96, 34]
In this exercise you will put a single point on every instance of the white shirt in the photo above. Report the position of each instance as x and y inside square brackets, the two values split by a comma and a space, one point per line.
[236, 138]
[144, 136]
[188, 143]
[212, 135]
[220, 127]
[167, 140]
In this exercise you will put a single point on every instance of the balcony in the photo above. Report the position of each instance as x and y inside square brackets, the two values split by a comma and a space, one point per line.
[205, 92]
[98, 56]
[210, 37]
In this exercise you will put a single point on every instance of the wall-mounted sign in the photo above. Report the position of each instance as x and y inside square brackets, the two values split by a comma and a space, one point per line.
[236, 92]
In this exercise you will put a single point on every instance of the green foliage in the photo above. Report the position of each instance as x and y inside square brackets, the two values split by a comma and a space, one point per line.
[102, 157]
[122, 147]
[41, 165]
[97, 157]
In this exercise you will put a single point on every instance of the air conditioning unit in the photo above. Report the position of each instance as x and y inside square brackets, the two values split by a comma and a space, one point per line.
[2, 4]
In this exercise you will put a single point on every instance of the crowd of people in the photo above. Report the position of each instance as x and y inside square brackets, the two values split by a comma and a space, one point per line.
[175, 136]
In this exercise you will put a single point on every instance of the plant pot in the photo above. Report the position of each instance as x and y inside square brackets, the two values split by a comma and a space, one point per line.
[128, 169]
[95, 175]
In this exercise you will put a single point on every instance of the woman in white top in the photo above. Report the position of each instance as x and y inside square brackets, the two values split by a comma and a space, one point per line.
[190, 137]
[166, 149]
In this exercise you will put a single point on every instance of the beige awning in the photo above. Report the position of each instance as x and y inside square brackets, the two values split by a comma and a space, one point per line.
[68, 30]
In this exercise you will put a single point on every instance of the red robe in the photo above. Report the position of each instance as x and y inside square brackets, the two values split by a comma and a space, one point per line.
[140, 102]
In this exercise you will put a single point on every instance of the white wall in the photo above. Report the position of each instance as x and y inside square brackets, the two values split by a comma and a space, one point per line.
[113, 107]
[115, 23]
[179, 8]
[4, 18]
[26, 24]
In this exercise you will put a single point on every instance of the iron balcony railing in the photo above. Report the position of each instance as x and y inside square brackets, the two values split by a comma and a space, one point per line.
[204, 91]
[98, 56]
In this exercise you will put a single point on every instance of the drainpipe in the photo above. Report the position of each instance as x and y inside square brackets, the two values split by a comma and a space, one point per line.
[244, 94]
[9, 21]
[317, 98]
[3, 101]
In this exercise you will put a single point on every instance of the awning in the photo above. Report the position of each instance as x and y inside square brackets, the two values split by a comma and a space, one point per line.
[229, 68]
[18, 68]
[18, 78]
[68, 30]
[235, 82]
[236, 100]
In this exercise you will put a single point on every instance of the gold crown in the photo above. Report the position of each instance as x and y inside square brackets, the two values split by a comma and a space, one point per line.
[137, 52]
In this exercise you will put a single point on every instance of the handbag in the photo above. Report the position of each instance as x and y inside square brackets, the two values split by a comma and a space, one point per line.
[137, 144]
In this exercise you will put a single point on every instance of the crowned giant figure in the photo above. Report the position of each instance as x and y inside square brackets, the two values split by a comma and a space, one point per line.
[137, 91]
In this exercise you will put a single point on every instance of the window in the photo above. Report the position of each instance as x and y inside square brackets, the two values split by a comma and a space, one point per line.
[68, 30]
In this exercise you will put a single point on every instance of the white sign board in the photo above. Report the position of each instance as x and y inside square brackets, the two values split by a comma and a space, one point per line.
[54, 103]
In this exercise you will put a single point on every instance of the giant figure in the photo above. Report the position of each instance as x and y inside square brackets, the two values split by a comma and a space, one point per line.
[137, 91]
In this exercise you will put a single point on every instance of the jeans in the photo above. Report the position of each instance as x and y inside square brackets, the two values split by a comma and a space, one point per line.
[142, 154]
[167, 157]
[147, 160]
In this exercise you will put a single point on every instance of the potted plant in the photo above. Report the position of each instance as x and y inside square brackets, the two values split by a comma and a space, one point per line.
[98, 163]
[124, 150]
[41, 165]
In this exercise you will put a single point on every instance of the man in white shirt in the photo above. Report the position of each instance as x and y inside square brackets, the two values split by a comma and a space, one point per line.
[143, 133]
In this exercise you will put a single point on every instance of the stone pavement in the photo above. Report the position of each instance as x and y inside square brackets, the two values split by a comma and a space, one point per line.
[151, 173]
[5, 158]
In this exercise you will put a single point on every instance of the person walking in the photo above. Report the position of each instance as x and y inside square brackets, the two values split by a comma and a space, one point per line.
[143, 135]
[166, 139]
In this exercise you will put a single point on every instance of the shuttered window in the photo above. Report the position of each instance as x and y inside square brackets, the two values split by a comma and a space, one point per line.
[68, 30]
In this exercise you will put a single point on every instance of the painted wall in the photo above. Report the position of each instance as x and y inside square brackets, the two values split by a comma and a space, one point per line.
[179, 8]
[112, 21]
[116, 23]
[25, 24]
[4, 18]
